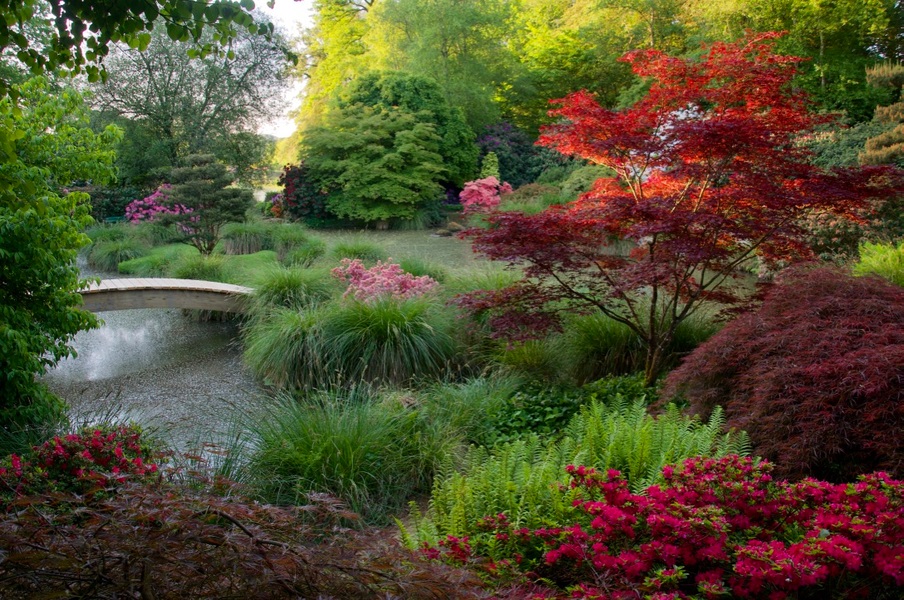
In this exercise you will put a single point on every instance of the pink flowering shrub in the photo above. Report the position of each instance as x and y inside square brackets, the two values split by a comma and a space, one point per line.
[93, 458]
[381, 281]
[717, 528]
[483, 195]
[154, 206]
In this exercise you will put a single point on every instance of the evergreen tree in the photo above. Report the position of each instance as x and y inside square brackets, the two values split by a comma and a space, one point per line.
[201, 191]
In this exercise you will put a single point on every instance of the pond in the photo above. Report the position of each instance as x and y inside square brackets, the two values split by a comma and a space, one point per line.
[181, 378]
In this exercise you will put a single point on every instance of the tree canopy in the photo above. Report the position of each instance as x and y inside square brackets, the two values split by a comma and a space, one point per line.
[187, 106]
[49, 146]
[376, 164]
[83, 32]
[708, 175]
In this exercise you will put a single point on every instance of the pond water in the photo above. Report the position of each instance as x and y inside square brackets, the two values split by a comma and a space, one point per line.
[181, 378]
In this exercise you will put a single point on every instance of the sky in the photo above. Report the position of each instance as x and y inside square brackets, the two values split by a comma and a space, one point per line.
[289, 16]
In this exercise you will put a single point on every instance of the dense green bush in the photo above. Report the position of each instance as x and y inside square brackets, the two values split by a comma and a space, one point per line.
[519, 478]
[544, 409]
[371, 455]
[582, 180]
[288, 236]
[108, 233]
[465, 407]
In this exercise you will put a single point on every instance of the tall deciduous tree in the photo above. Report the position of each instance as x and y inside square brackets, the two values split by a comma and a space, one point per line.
[376, 164]
[202, 187]
[708, 175]
[422, 97]
[205, 105]
[49, 146]
[82, 33]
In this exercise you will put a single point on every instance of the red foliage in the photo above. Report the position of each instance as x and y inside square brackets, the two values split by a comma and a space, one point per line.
[170, 542]
[707, 175]
[716, 528]
[815, 375]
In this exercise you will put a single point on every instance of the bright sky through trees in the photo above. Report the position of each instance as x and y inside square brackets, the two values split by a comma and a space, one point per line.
[290, 16]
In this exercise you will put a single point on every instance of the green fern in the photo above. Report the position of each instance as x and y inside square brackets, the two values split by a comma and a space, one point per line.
[522, 478]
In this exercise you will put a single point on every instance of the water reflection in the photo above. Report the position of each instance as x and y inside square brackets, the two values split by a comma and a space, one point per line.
[182, 378]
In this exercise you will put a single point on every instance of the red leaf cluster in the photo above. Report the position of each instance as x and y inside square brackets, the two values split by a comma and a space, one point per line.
[815, 375]
[708, 174]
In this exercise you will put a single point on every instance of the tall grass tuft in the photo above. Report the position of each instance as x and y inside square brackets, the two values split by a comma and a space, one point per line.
[481, 276]
[246, 238]
[305, 254]
[519, 478]
[358, 248]
[155, 233]
[159, 262]
[419, 267]
[106, 255]
[465, 407]
[534, 359]
[107, 233]
[205, 268]
[284, 349]
[595, 346]
[373, 456]
[286, 237]
[389, 341]
[292, 288]
[882, 259]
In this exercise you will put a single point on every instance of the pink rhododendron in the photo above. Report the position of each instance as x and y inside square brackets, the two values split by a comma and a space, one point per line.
[381, 281]
[483, 195]
[715, 528]
[154, 206]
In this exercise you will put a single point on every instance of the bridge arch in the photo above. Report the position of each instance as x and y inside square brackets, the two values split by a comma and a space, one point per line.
[126, 294]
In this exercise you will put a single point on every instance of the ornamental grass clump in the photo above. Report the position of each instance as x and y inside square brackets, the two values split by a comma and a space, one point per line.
[883, 260]
[106, 255]
[246, 238]
[711, 528]
[360, 249]
[371, 455]
[284, 348]
[388, 340]
[292, 287]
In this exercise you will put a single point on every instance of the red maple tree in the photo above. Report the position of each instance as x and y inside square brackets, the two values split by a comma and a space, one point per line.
[708, 175]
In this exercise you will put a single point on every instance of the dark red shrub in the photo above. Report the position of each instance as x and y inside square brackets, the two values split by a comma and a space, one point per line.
[815, 375]
[169, 542]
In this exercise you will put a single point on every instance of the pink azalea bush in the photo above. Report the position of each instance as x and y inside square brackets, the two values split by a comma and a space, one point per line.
[483, 195]
[154, 206]
[91, 459]
[717, 528]
[381, 281]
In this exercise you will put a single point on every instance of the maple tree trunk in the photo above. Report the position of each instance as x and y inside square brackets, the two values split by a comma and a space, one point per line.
[652, 363]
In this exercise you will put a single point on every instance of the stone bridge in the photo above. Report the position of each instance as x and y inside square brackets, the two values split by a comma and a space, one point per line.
[125, 294]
